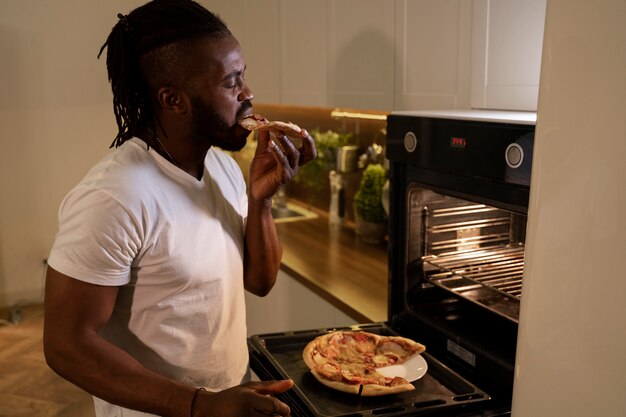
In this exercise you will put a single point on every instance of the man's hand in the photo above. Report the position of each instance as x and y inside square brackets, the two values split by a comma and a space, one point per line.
[246, 400]
[274, 166]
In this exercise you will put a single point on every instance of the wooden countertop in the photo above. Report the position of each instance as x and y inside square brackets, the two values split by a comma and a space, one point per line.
[335, 264]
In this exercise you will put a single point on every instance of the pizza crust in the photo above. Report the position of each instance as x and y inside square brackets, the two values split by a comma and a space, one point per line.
[372, 390]
[307, 355]
[339, 386]
[365, 390]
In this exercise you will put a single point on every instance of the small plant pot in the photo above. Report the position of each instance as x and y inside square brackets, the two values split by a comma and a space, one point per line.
[368, 232]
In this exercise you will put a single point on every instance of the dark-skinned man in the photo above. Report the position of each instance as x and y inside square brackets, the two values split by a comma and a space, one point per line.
[145, 287]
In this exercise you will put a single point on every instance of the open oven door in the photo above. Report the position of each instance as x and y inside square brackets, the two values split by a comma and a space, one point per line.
[439, 392]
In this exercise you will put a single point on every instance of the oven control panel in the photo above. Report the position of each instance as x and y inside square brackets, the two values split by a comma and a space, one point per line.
[488, 161]
[500, 152]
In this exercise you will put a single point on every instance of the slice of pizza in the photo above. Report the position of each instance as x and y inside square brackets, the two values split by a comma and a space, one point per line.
[258, 122]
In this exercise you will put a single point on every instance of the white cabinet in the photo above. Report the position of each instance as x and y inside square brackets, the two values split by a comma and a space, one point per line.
[432, 59]
[285, 46]
[304, 66]
[361, 62]
[256, 24]
[328, 53]
[291, 306]
[382, 55]
[506, 53]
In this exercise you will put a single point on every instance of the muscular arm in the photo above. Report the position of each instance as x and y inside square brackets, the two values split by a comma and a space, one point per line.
[74, 313]
[272, 167]
[263, 252]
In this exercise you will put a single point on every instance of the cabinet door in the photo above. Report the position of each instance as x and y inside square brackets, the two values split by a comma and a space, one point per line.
[304, 52]
[432, 54]
[360, 65]
[256, 24]
[506, 53]
[285, 45]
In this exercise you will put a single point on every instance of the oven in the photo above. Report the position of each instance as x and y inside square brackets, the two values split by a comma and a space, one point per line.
[459, 189]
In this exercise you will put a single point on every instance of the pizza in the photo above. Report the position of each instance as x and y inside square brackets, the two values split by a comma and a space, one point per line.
[348, 361]
[258, 122]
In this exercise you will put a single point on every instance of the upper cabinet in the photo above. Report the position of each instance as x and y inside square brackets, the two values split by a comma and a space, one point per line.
[304, 58]
[361, 54]
[382, 55]
[256, 23]
[506, 53]
[432, 54]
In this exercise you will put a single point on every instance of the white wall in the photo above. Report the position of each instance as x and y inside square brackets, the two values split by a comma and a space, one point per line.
[56, 120]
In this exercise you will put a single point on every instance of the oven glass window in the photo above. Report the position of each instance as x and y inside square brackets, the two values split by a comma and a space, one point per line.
[471, 249]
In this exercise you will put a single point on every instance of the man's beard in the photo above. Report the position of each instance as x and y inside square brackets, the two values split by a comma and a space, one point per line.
[207, 125]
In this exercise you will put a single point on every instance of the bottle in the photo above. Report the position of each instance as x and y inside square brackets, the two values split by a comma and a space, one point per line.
[337, 211]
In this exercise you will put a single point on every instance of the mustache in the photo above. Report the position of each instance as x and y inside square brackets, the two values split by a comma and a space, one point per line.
[245, 106]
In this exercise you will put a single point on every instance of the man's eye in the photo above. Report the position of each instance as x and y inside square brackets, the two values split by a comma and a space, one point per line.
[236, 82]
[233, 83]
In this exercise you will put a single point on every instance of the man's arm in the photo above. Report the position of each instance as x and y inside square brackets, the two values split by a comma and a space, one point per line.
[262, 252]
[75, 311]
[271, 168]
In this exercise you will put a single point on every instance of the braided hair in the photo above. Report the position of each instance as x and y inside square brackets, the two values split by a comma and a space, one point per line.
[141, 56]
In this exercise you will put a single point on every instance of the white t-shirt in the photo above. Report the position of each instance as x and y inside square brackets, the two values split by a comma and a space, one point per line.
[174, 245]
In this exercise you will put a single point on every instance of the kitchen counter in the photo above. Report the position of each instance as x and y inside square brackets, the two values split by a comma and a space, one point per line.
[335, 264]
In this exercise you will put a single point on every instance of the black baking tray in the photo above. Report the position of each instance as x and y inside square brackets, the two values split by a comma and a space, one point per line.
[279, 356]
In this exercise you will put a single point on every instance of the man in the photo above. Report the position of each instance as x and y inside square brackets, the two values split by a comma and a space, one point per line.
[144, 294]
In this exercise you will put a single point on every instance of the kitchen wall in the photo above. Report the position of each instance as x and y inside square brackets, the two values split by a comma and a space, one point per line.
[56, 121]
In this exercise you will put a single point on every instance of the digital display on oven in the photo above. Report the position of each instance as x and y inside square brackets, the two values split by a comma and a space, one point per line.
[457, 142]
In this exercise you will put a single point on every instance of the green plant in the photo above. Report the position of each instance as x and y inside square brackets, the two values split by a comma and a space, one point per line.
[367, 199]
[313, 174]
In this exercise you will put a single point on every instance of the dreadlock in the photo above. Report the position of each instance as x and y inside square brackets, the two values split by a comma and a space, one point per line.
[139, 51]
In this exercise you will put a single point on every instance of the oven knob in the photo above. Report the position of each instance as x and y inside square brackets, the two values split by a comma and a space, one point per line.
[514, 155]
[410, 141]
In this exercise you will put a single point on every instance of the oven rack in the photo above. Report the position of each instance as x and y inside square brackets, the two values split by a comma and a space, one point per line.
[499, 269]
[465, 227]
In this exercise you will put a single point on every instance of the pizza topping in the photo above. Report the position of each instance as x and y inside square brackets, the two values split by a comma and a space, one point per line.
[329, 371]
[351, 377]
[384, 360]
[319, 359]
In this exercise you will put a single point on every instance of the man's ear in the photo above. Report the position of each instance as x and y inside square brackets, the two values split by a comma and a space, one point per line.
[172, 99]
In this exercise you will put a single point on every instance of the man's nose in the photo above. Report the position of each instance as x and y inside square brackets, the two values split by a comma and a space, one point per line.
[246, 93]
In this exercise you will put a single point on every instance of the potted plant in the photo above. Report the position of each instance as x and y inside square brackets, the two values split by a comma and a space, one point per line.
[370, 216]
[312, 175]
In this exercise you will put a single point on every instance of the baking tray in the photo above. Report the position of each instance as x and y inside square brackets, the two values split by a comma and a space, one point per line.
[279, 356]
